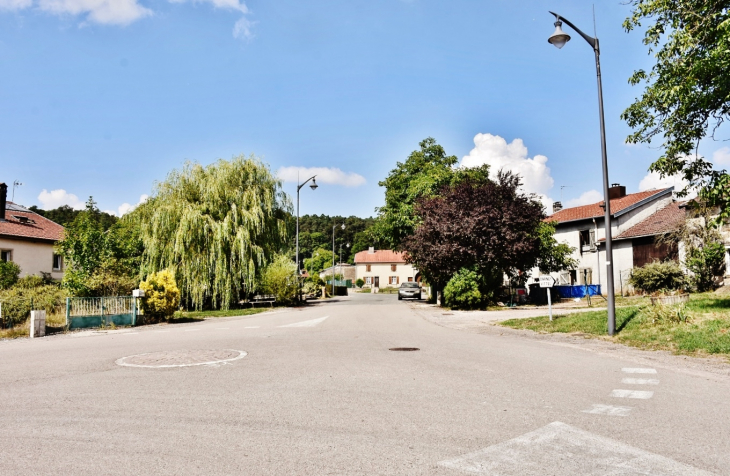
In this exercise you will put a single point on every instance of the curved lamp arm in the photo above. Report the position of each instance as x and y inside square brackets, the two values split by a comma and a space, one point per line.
[591, 41]
[299, 187]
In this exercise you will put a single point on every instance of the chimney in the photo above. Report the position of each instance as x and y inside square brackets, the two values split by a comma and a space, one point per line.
[3, 200]
[371, 250]
[616, 191]
[557, 206]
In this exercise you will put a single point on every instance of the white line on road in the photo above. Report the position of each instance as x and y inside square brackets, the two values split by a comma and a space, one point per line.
[640, 381]
[640, 394]
[610, 410]
[638, 371]
[222, 328]
[310, 323]
[161, 331]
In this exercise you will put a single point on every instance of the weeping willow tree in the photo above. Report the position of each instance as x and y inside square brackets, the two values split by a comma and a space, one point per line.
[215, 227]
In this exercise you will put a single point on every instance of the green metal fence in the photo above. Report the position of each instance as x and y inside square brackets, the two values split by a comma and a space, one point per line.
[100, 312]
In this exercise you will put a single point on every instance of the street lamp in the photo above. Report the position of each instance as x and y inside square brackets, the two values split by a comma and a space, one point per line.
[333, 256]
[343, 274]
[313, 186]
[559, 38]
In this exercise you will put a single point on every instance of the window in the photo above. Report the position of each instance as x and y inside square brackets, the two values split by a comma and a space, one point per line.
[410, 280]
[367, 268]
[587, 240]
[368, 280]
[394, 280]
[57, 262]
[6, 255]
[392, 267]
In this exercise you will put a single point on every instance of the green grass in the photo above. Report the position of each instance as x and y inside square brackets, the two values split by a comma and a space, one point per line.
[706, 332]
[199, 315]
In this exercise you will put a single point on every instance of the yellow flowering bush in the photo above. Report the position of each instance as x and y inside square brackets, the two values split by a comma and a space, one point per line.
[161, 295]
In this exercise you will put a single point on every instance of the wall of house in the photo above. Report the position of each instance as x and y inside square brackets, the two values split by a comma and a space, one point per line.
[32, 257]
[402, 272]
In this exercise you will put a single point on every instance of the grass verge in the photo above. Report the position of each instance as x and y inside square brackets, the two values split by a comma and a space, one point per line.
[707, 330]
[199, 315]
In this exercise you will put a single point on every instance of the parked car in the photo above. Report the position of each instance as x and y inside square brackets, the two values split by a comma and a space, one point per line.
[409, 290]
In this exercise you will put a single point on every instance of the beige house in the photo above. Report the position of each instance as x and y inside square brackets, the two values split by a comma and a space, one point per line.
[27, 239]
[384, 268]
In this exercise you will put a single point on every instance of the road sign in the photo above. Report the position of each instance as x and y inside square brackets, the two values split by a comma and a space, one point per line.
[546, 281]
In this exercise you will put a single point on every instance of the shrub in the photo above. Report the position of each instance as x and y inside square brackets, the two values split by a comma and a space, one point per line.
[359, 283]
[18, 301]
[279, 278]
[463, 290]
[162, 296]
[706, 264]
[9, 273]
[658, 276]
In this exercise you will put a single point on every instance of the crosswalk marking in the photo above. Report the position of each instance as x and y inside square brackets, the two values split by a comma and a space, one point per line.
[638, 371]
[610, 410]
[310, 323]
[640, 394]
[640, 381]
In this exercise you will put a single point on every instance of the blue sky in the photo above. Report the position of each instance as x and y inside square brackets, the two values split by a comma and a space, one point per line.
[105, 97]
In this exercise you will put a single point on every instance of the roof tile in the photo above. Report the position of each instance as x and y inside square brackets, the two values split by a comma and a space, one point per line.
[380, 256]
[36, 227]
[595, 210]
[665, 220]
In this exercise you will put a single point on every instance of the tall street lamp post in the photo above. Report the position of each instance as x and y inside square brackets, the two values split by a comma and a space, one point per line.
[558, 39]
[333, 257]
[313, 186]
[343, 274]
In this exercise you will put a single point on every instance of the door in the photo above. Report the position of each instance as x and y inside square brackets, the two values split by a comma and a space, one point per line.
[377, 281]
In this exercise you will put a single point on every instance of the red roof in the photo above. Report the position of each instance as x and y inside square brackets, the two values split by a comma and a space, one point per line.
[380, 256]
[22, 223]
[595, 210]
[665, 220]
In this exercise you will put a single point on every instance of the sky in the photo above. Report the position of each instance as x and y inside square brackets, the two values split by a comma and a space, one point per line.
[104, 98]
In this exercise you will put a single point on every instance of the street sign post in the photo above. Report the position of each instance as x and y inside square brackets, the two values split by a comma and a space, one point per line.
[548, 282]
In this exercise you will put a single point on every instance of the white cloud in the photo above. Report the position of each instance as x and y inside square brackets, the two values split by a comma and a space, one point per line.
[328, 175]
[242, 28]
[653, 180]
[722, 156]
[586, 198]
[498, 154]
[15, 4]
[107, 12]
[57, 198]
[125, 208]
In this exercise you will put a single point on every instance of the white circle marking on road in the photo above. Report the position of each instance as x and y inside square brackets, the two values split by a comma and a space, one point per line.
[121, 362]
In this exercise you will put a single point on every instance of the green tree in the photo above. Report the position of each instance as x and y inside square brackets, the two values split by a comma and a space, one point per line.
[553, 256]
[687, 92]
[215, 227]
[424, 173]
[162, 296]
[321, 259]
[279, 278]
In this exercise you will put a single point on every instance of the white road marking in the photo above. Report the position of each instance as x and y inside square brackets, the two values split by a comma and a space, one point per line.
[222, 328]
[609, 410]
[640, 394]
[640, 381]
[190, 330]
[162, 331]
[562, 449]
[252, 327]
[310, 323]
[638, 371]
[241, 354]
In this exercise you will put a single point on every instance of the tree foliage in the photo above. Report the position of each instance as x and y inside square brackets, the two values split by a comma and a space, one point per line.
[315, 232]
[553, 256]
[279, 278]
[464, 290]
[99, 261]
[321, 259]
[9, 274]
[687, 91]
[487, 226]
[215, 227]
[658, 276]
[162, 296]
[65, 215]
[424, 173]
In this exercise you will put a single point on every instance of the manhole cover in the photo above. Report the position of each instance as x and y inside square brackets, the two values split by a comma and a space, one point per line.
[181, 358]
[404, 349]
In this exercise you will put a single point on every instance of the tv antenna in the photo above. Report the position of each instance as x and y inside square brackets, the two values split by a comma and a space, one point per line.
[15, 184]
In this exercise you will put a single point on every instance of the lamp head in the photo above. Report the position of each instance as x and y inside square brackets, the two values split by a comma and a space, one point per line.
[559, 38]
[343, 226]
[314, 184]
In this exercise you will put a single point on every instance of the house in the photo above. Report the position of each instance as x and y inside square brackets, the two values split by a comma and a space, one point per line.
[27, 239]
[384, 268]
[636, 220]
[345, 269]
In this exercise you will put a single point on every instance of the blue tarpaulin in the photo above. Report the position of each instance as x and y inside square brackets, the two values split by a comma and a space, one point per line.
[578, 291]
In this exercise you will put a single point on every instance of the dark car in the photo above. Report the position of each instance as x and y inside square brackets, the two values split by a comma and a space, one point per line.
[409, 290]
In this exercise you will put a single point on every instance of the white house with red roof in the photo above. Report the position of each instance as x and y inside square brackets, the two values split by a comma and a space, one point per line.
[384, 268]
[27, 239]
[636, 219]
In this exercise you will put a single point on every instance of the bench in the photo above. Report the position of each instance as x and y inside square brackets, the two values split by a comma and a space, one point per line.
[265, 298]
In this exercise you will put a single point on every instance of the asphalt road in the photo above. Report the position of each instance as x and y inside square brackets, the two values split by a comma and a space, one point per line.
[318, 392]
